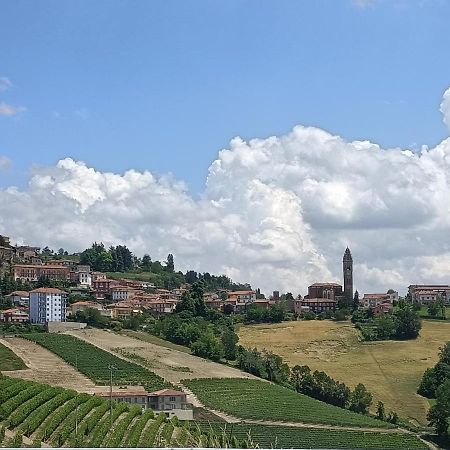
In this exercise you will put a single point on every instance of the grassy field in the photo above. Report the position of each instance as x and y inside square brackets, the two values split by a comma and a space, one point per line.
[94, 362]
[9, 361]
[267, 436]
[146, 337]
[391, 370]
[258, 400]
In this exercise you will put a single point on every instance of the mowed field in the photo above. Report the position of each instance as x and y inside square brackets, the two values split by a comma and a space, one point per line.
[391, 370]
[173, 365]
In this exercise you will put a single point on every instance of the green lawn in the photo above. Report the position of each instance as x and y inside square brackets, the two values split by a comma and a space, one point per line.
[253, 399]
[266, 436]
[94, 362]
[9, 360]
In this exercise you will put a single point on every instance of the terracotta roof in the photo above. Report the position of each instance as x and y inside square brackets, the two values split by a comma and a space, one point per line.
[123, 394]
[376, 295]
[49, 291]
[14, 311]
[326, 285]
[20, 293]
[233, 293]
[168, 393]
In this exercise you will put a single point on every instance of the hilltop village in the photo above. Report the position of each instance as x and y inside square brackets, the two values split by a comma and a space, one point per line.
[58, 287]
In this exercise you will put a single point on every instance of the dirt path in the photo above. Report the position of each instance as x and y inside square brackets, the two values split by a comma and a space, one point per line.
[173, 365]
[45, 367]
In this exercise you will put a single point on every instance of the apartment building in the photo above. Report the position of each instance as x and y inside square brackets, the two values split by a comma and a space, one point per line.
[47, 305]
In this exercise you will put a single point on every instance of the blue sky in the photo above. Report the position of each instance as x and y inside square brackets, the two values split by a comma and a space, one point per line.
[164, 85]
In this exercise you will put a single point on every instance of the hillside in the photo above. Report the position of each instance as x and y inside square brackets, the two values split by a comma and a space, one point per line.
[391, 370]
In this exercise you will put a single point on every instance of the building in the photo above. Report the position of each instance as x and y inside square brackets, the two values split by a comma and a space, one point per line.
[123, 310]
[32, 272]
[20, 298]
[135, 398]
[102, 287]
[83, 275]
[316, 305]
[7, 252]
[241, 299]
[84, 305]
[428, 293]
[347, 269]
[324, 290]
[372, 300]
[168, 401]
[97, 276]
[119, 293]
[171, 402]
[27, 253]
[47, 305]
[14, 315]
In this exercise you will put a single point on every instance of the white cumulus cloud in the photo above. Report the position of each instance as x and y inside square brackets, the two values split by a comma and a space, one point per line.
[276, 212]
[4, 162]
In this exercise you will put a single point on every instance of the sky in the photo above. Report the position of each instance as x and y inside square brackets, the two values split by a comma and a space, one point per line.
[252, 138]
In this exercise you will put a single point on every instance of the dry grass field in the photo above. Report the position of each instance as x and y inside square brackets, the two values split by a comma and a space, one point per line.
[391, 370]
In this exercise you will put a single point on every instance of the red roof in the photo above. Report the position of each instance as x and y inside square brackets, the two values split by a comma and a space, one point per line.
[317, 300]
[49, 290]
[20, 293]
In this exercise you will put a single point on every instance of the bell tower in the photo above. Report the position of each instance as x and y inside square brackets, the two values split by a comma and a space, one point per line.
[347, 267]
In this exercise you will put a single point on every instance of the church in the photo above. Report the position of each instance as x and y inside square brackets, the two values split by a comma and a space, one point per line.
[334, 291]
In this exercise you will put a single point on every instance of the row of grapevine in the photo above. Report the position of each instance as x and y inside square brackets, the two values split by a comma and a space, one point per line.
[149, 433]
[136, 430]
[105, 425]
[120, 429]
[74, 418]
[37, 417]
[14, 402]
[26, 408]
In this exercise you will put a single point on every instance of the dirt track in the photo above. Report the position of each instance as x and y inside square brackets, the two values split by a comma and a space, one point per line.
[46, 367]
[170, 364]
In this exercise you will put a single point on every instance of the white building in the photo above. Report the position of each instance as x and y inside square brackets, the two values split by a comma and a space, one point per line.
[84, 275]
[47, 305]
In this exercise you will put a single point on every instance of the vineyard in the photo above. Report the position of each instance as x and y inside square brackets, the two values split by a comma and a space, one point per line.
[94, 362]
[60, 417]
[9, 361]
[266, 436]
[238, 397]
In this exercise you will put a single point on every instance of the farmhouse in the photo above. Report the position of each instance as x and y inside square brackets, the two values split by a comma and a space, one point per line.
[316, 305]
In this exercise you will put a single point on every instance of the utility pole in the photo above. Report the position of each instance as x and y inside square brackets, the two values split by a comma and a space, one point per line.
[76, 411]
[111, 368]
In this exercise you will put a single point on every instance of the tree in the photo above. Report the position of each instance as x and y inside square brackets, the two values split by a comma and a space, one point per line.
[360, 399]
[356, 301]
[433, 309]
[386, 326]
[229, 340]
[170, 265]
[441, 306]
[380, 411]
[439, 414]
[208, 346]
[146, 263]
[408, 324]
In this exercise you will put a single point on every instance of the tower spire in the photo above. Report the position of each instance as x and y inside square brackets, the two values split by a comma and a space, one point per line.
[347, 269]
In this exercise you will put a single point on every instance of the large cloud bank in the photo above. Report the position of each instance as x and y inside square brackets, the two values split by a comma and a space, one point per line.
[276, 212]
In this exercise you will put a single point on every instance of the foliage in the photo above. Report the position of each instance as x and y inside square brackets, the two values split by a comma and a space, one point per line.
[274, 314]
[360, 399]
[319, 385]
[437, 375]
[439, 414]
[381, 415]
[138, 427]
[208, 346]
[94, 362]
[239, 397]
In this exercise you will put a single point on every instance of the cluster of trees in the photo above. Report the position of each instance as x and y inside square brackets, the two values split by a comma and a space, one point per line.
[206, 332]
[436, 384]
[403, 324]
[319, 385]
[437, 309]
[274, 314]
[114, 259]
